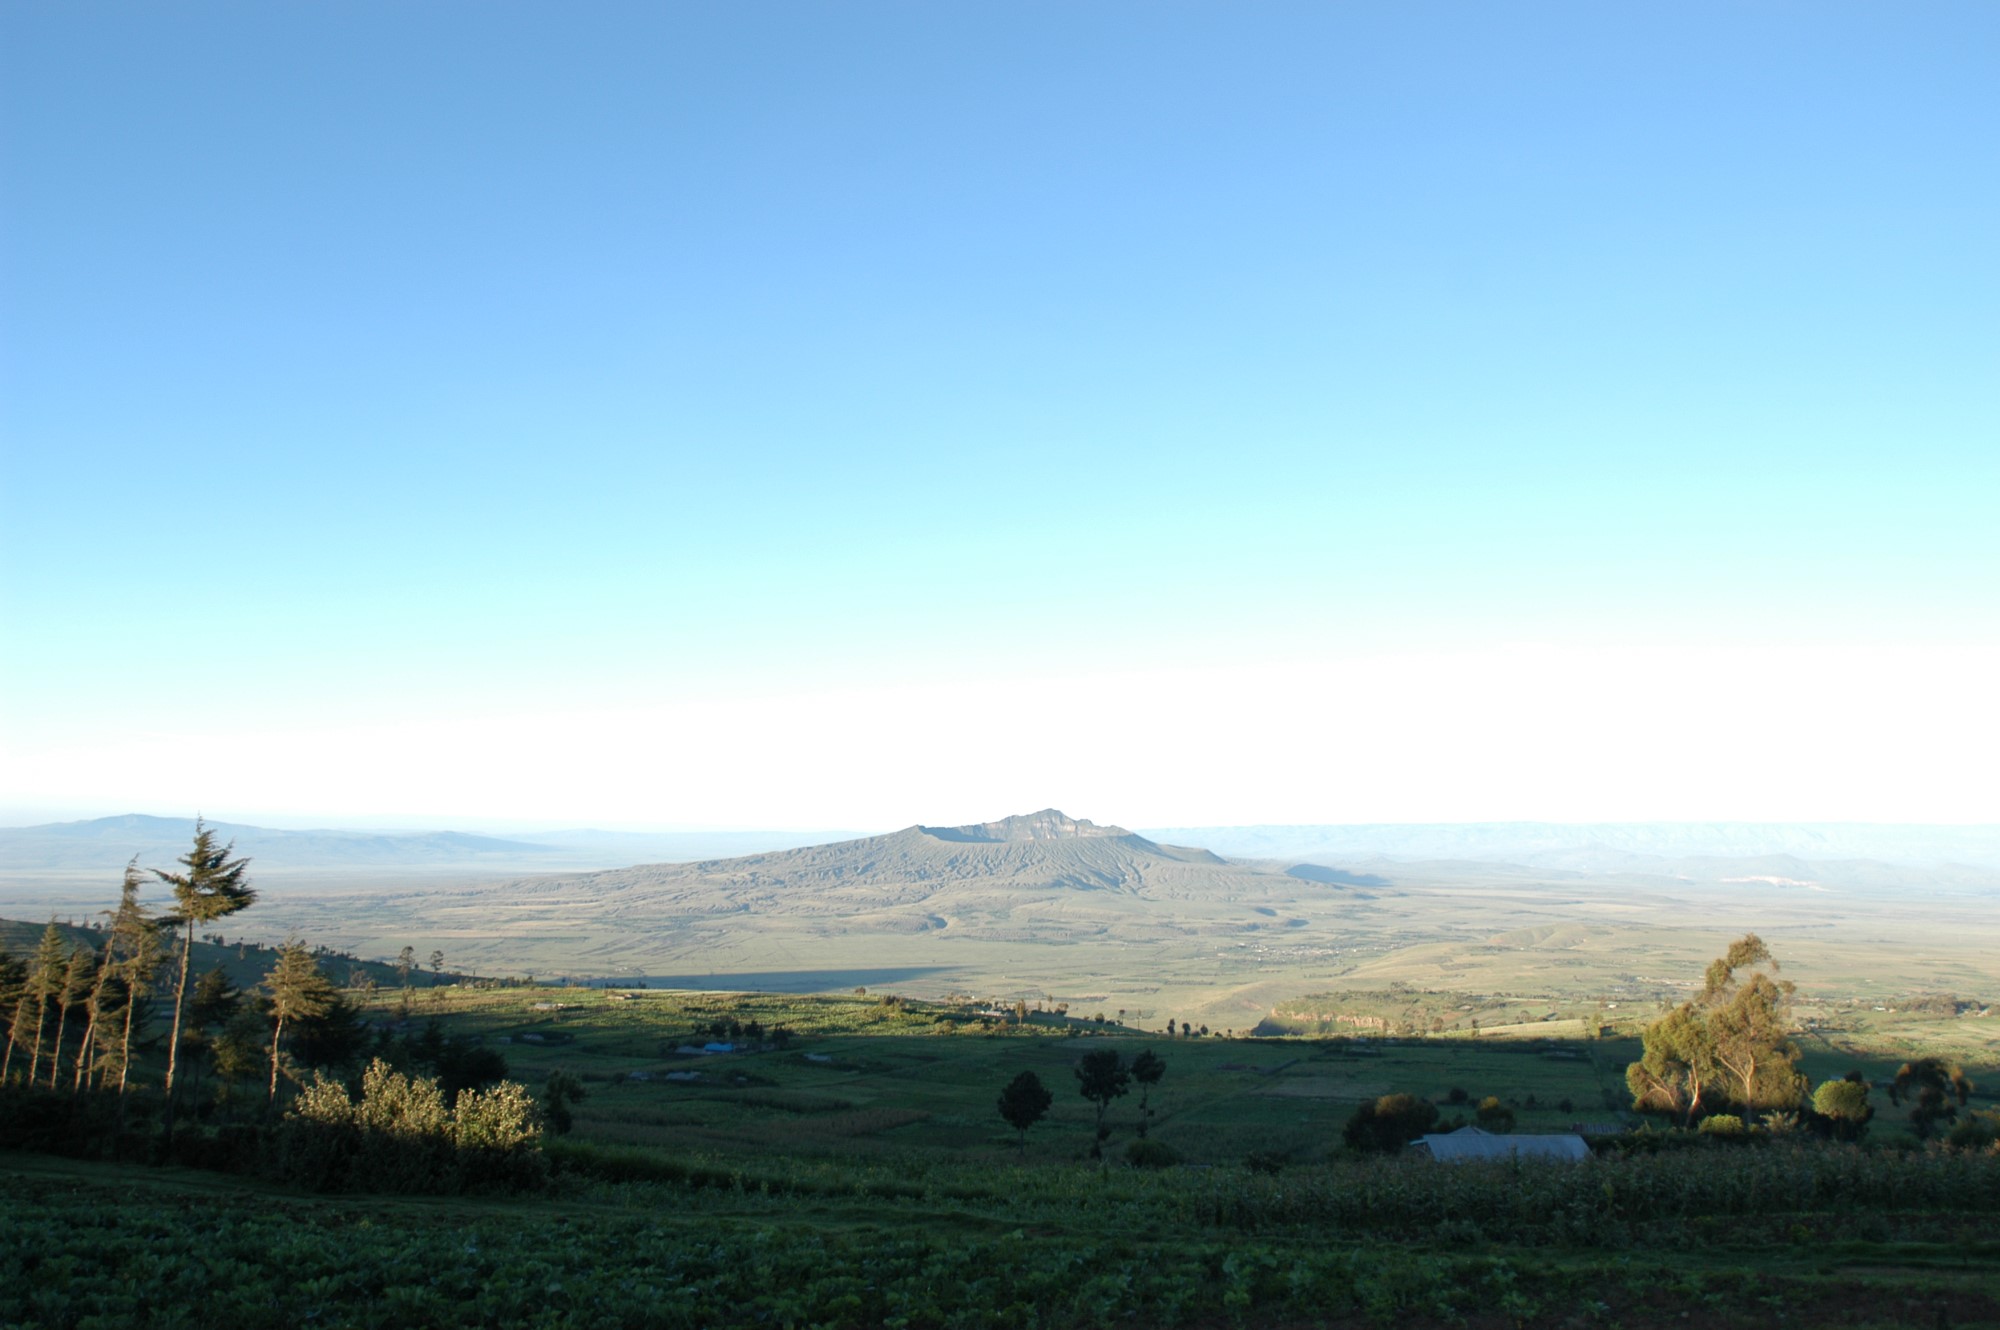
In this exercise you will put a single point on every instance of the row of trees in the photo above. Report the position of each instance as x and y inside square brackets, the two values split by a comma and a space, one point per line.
[111, 985]
[108, 986]
[1101, 1077]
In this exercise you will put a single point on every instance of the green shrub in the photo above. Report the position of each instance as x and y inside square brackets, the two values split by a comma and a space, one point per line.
[400, 1137]
[1149, 1153]
[1981, 1131]
[1726, 1125]
[1385, 1125]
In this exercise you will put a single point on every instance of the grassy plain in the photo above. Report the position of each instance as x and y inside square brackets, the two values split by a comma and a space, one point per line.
[1491, 932]
[875, 1076]
[860, 1176]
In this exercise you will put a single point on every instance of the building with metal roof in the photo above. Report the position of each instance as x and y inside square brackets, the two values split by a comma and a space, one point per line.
[1472, 1143]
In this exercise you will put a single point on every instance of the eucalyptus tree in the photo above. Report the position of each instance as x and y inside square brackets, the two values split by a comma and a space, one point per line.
[1735, 1033]
[213, 886]
[298, 992]
[1676, 1066]
[1749, 1024]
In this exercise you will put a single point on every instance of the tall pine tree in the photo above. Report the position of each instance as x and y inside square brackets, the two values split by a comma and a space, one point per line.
[136, 953]
[77, 975]
[298, 992]
[212, 887]
[13, 988]
[45, 976]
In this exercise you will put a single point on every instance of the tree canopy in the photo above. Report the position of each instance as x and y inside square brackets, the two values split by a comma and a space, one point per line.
[212, 886]
[1101, 1077]
[1936, 1090]
[1729, 1045]
[1025, 1102]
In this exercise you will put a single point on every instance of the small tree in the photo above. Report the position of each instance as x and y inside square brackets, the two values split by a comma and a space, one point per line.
[137, 953]
[1387, 1124]
[1845, 1105]
[104, 970]
[79, 972]
[1147, 1069]
[558, 1094]
[237, 1051]
[1025, 1102]
[213, 886]
[406, 960]
[437, 967]
[13, 984]
[1101, 1077]
[298, 992]
[31, 1012]
[1495, 1116]
[1936, 1090]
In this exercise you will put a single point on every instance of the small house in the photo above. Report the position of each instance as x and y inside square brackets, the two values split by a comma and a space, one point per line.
[1469, 1143]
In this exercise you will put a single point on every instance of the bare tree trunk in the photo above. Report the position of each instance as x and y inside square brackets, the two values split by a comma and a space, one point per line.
[276, 1035]
[125, 1049]
[83, 1053]
[12, 1026]
[96, 1009]
[62, 1026]
[35, 1060]
[174, 1038]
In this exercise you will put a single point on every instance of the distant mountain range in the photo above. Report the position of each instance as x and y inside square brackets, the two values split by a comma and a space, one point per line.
[1605, 847]
[1359, 853]
[106, 843]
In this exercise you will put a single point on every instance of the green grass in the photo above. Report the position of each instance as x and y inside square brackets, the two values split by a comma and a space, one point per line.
[862, 1177]
[914, 1080]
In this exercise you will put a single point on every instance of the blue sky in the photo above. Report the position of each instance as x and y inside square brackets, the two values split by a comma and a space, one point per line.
[1030, 380]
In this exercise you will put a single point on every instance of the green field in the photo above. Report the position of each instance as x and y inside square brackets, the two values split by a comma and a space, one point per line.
[854, 1172]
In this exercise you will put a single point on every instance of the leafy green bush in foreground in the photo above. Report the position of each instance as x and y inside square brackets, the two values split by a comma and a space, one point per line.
[75, 1255]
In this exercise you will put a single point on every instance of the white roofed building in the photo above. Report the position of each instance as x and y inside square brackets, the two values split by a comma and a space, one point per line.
[1472, 1143]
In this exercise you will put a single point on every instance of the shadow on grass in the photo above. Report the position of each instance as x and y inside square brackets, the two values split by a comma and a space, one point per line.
[776, 981]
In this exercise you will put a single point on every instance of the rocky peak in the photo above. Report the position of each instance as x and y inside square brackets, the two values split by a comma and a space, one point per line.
[1049, 824]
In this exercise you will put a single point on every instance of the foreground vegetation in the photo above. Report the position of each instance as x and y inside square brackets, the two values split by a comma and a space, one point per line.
[375, 1156]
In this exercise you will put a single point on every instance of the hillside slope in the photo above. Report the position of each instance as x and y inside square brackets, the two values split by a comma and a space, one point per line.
[1041, 866]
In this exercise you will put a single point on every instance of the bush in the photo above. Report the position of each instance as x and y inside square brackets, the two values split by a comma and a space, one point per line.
[1726, 1125]
[1149, 1153]
[400, 1137]
[1385, 1125]
[1981, 1131]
